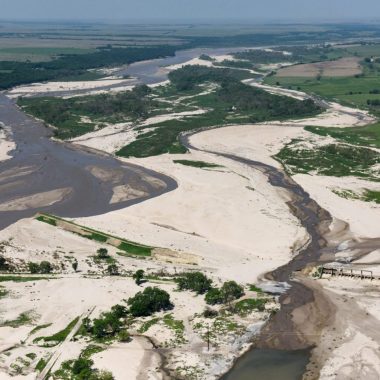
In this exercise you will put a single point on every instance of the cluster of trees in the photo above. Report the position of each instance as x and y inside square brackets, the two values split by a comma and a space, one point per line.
[81, 369]
[109, 324]
[188, 77]
[149, 301]
[229, 292]
[194, 281]
[264, 56]
[65, 114]
[44, 267]
[4, 265]
[200, 284]
[265, 106]
[373, 102]
[71, 66]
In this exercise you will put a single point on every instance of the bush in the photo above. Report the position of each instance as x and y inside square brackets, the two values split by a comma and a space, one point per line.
[138, 276]
[33, 268]
[113, 270]
[45, 267]
[194, 281]
[102, 253]
[214, 296]
[230, 291]
[149, 301]
[3, 263]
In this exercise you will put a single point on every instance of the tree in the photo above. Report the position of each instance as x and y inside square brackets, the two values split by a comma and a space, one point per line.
[3, 263]
[45, 267]
[194, 281]
[124, 336]
[102, 253]
[214, 296]
[82, 368]
[119, 311]
[33, 268]
[231, 291]
[149, 301]
[75, 265]
[138, 276]
[113, 270]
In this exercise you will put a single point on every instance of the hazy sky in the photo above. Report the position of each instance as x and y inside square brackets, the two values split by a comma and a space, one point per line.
[191, 9]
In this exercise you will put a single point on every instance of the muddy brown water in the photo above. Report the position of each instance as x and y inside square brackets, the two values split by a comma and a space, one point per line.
[40, 164]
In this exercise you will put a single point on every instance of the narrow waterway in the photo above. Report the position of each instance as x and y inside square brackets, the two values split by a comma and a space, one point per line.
[280, 341]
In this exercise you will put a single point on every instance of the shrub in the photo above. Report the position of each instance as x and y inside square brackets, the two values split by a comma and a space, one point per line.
[45, 267]
[102, 253]
[228, 292]
[113, 270]
[149, 301]
[138, 276]
[194, 281]
[214, 296]
[33, 268]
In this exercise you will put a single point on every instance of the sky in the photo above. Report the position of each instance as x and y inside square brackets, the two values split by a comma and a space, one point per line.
[250, 10]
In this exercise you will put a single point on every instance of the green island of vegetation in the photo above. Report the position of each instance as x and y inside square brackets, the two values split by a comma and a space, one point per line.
[230, 102]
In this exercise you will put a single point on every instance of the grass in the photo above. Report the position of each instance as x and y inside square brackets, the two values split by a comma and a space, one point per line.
[40, 327]
[365, 136]
[41, 364]
[90, 350]
[247, 306]
[366, 195]
[60, 336]
[197, 164]
[330, 160]
[177, 327]
[147, 325]
[16, 278]
[129, 247]
[23, 319]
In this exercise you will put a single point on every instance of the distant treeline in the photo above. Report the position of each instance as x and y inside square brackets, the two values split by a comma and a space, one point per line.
[70, 67]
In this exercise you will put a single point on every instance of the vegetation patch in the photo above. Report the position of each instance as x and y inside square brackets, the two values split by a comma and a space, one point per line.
[366, 195]
[247, 306]
[365, 136]
[194, 281]
[23, 319]
[330, 160]
[129, 247]
[197, 164]
[58, 337]
[20, 278]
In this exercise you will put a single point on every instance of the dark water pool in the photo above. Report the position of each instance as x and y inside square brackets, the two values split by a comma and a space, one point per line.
[260, 364]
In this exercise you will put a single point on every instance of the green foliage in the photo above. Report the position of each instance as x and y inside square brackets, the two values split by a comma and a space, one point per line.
[244, 307]
[229, 292]
[149, 301]
[31, 355]
[41, 365]
[71, 67]
[138, 276]
[148, 324]
[46, 219]
[257, 56]
[366, 136]
[23, 319]
[16, 278]
[66, 114]
[194, 281]
[4, 266]
[108, 325]
[330, 160]
[102, 253]
[60, 336]
[44, 267]
[188, 77]
[40, 327]
[254, 288]
[135, 249]
[113, 270]
[196, 164]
